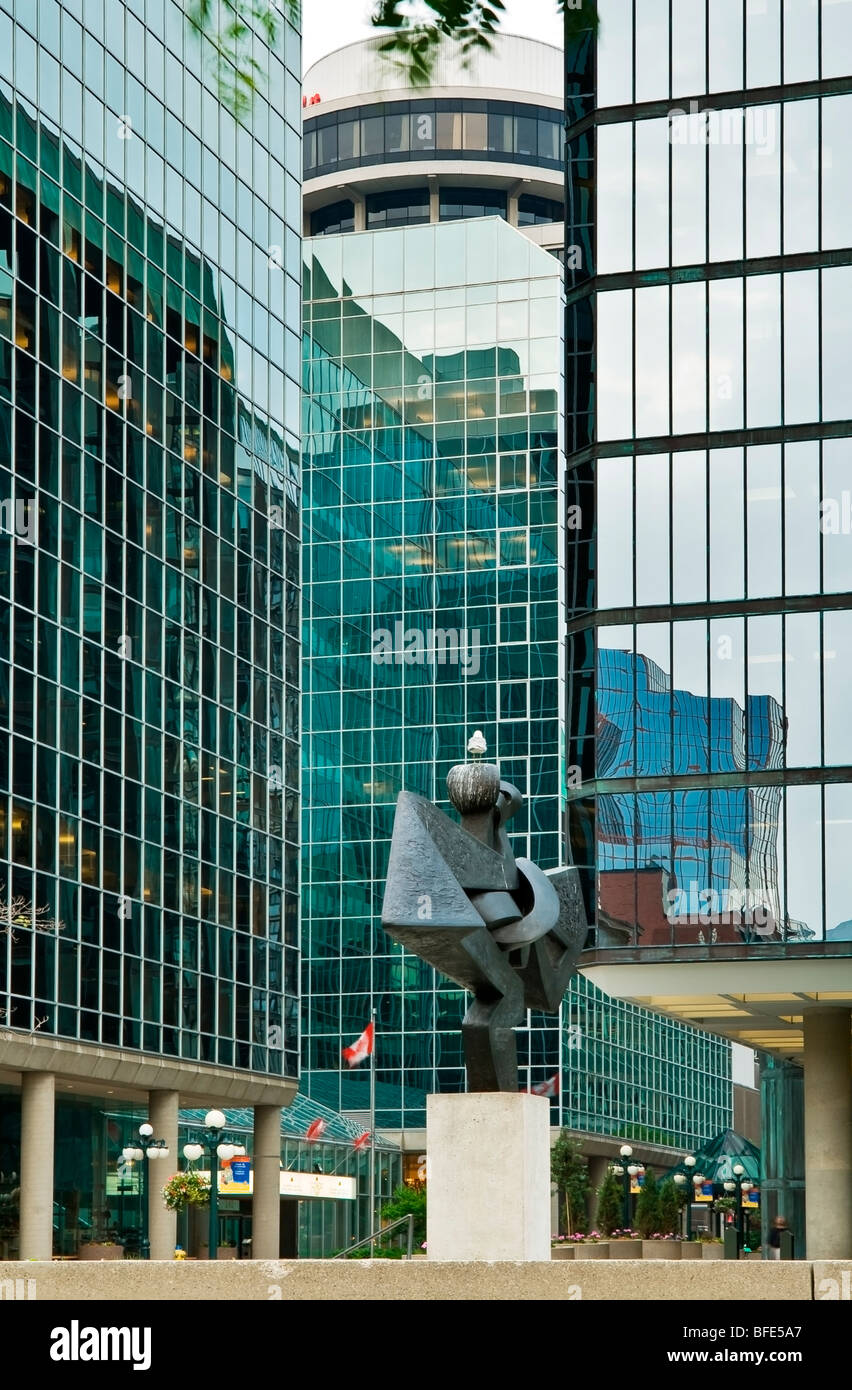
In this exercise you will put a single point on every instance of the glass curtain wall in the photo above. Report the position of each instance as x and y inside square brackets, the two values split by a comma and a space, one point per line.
[433, 495]
[710, 586]
[149, 480]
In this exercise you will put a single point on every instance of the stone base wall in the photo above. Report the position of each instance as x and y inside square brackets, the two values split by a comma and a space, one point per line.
[402, 1280]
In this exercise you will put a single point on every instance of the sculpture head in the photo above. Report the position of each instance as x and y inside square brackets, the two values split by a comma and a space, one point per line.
[473, 787]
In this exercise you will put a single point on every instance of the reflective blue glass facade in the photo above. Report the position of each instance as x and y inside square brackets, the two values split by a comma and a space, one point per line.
[433, 492]
[710, 586]
[149, 479]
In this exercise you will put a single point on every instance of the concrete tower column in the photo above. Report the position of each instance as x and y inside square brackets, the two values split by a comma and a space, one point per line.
[434, 198]
[598, 1164]
[37, 1120]
[162, 1224]
[266, 1197]
[828, 1134]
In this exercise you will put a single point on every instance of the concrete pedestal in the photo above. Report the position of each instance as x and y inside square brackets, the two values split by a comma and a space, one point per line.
[828, 1135]
[489, 1176]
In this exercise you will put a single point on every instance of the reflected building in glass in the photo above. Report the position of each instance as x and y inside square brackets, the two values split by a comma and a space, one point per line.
[710, 586]
[149, 572]
[433, 485]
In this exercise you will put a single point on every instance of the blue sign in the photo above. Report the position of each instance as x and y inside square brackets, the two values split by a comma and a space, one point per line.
[240, 1170]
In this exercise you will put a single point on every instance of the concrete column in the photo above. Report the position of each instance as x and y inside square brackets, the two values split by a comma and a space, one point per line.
[598, 1164]
[434, 199]
[266, 1198]
[513, 193]
[37, 1111]
[162, 1224]
[828, 1135]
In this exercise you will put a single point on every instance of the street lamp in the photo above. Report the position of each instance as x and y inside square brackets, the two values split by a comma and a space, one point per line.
[742, 1185]
[214, 1123]
[625, 1170]
[149, 1150]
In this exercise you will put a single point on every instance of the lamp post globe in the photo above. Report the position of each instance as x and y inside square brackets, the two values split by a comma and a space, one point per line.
[626, 1151]
[214, 1119]
[146, 1131]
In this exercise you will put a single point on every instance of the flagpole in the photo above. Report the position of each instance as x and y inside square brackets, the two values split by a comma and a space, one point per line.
[372, 1132]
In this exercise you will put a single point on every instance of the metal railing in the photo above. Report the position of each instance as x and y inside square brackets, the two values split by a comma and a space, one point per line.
[377, 1235]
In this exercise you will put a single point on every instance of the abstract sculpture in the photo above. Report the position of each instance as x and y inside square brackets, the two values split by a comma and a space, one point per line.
[498, 926]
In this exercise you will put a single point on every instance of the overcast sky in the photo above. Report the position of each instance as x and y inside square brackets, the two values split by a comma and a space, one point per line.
[328, 24]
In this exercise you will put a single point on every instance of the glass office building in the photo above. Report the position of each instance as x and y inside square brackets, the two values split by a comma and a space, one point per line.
[149, 770]
[709, 447]
[433, 488]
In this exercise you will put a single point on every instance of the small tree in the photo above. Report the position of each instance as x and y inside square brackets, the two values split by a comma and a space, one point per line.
[570, 1172]
[670, 1205]
[408, 1198]
[610, 1203]
[648, 1207]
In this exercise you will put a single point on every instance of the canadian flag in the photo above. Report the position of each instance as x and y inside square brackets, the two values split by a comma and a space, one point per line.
[362, 1141]
[550, 1087]
[315, 1129]
[362, 1048]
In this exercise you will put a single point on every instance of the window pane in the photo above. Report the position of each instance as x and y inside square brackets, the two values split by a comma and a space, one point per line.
[614, 369]
[500, 133]
[652, 194]
[615, 198]
[475, 126]
[688, 47]
[726, 45]
[801, 347]
[372, 135]
[396, 134]
[349, 139]
[652, 52]
[836, 38]
[615, 52]
[836, 171]
[801, 173]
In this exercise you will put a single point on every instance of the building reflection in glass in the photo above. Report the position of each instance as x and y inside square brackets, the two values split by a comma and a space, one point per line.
[686, 866]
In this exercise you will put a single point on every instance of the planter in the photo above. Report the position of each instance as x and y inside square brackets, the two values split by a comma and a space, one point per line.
[712, 1252]
[562, 1252]
[95, 1251]
[625, 1249]
[592, 1250]
[691, 1250]
[660, 1249]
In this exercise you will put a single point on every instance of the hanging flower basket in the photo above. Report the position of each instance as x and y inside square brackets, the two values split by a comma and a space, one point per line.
[188, 1189]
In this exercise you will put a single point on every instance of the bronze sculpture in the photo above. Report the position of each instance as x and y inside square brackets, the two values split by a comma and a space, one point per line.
[498, 926]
